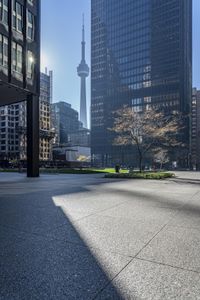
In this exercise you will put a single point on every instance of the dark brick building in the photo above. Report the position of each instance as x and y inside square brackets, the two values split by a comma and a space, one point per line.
[20, 67]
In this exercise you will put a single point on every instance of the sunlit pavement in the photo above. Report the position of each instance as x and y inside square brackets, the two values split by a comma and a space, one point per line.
[86, 237]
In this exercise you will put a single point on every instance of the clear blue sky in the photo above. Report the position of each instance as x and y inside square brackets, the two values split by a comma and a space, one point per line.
[61, 52]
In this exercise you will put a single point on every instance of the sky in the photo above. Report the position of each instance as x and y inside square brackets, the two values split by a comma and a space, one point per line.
[61, 46]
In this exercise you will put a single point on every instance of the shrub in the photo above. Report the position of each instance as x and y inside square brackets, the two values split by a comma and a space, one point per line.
[144, 175]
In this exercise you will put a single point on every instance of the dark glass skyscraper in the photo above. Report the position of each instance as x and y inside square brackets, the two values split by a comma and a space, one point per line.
[141, 55]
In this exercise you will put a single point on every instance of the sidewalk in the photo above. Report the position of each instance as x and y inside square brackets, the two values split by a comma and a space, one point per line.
[86, 237]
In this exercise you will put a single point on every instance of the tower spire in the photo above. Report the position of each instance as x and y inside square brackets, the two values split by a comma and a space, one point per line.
[83, 29]
[83, 39]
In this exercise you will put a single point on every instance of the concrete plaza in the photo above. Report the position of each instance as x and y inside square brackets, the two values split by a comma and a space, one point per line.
[86, 237]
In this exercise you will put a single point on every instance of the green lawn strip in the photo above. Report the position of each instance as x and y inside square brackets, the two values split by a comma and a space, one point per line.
[89, 171]
[109, 173]
[80, 171]
[70, 171]
[143, 175]
[8, 170]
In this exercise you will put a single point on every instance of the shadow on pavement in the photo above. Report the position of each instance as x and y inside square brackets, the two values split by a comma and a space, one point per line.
[35, 263]
[161, 201]
[186, 180]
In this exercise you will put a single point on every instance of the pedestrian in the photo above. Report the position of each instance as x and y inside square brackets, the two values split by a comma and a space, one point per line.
[117, 169]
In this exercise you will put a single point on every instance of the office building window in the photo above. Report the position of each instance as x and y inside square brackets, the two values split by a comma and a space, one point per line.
[4, 11]
[18, 16]
[30, 65]
[30, 25]
[3, 51]
[17, 57]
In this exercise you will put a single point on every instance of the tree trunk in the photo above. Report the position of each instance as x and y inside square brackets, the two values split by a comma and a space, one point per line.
[140, 163]
[140, 157]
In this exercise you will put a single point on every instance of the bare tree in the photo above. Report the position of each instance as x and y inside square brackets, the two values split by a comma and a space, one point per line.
[146, 130]
[161, 156]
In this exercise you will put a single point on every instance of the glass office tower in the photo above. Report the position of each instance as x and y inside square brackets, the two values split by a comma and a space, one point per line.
[141, 54]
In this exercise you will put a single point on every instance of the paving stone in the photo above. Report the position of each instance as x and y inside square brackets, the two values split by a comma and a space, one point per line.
[35, 220]
[37, 268]
[119, 235]
[67, 236]
[187, 217]
[175, 246]
[140, 212]
[77, 206]
[149, 281]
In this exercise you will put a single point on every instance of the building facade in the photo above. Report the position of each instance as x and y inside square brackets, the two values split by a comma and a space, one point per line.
[195, 129]
[46, 133]
[13, 125]
[20, 67]
[141, 55]
[11, 142]
[64, 121]
[80, 137]
[198, 131]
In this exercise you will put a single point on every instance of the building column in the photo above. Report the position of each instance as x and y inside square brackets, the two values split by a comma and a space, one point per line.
[32, 136]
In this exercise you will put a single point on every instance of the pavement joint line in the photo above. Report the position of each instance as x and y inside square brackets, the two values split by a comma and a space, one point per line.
[134, 257]
[76, 244]
[40, 235]
[167, 265]
[111, 280]
[167, 224]
[96, 213]
[142, 259]
[198, 192]
[185, 204]
[112, 217]
[192, 197]
[99, 211]
[163, 227]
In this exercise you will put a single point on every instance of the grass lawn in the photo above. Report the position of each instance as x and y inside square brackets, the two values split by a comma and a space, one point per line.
[109, 173]
[9, 170]
[81, 171]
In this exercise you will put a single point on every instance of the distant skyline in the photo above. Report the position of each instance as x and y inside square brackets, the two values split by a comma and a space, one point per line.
[61, 46]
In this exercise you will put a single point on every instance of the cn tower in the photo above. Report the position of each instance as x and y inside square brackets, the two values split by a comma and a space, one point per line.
[83, 73]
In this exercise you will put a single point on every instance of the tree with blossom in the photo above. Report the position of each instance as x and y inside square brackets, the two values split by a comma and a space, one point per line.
[146, 130]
